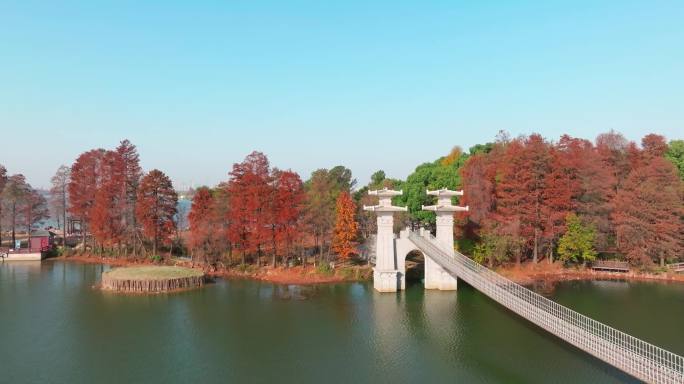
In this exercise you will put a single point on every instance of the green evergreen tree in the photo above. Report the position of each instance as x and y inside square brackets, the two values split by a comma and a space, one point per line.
[495, 248]
[675, 153]
[441, 173]
[577, 244]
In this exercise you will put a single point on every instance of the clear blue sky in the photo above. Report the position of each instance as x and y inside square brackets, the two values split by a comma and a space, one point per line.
[370, 85]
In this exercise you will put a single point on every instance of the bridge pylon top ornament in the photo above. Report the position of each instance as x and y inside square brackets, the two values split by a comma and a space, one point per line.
[385, 204]
[444, 192]
[444, 201]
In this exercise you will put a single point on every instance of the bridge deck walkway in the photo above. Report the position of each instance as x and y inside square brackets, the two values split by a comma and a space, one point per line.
[636, 357]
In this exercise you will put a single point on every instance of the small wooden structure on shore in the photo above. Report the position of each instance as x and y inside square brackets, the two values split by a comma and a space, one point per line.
[610, 265]
[39, 244]
[676, 267]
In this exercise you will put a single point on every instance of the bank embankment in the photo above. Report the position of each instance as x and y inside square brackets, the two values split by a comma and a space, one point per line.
[530, 273]
[300, 275]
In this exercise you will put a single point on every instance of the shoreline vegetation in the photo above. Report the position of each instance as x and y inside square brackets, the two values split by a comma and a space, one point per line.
[299, 275]
[525, 274]
[532, 201]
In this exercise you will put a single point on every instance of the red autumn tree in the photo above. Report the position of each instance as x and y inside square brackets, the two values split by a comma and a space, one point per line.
[346, 228]
[618, 157]
[286, 209]
[591, 185]
[200, 220]
[107, 222]
[522, 192]
[562, 185]
[249, 195]
[156, 208]
[102, 192]
[131, 174]
[653, 146]
[83, 185]
[648, 209]
[221, 221]
[478, 175]
[511, 195]
[613, 149]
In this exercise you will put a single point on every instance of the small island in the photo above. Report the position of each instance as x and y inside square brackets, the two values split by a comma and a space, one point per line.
[151, 279]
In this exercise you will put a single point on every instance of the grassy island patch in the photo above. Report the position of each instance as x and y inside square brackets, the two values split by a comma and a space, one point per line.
[153, 272]
[151, 279]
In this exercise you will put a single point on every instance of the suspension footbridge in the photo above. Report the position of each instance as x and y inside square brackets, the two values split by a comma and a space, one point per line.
[443, 266]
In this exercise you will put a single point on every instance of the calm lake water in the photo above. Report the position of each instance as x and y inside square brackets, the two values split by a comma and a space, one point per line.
[55, 328]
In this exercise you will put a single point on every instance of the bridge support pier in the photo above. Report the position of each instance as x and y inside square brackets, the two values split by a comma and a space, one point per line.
[386, 276]
[390, 268]
[387, 281]
[435, 276]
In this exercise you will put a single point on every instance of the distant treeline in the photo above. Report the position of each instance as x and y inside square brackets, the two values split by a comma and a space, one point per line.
[529, 198]
[21, 206]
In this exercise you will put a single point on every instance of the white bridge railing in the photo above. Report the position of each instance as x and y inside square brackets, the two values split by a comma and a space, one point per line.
[627, 353]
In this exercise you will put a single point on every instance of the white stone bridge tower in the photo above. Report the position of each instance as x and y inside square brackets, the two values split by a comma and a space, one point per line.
[390, 251]
[386, 275]
[435, 276]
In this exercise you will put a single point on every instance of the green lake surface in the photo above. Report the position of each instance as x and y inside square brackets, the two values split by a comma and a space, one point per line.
[56, 328]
